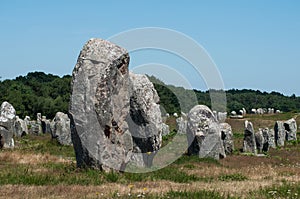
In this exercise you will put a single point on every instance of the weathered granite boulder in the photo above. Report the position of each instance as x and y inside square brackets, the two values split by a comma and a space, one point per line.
[204, 134]
[114, 119]
[259, 139]
[181, 125]
[290, 127]
[249, 145]
[20, 127]
[7, 117]
[61, 129]
[279, 133]
[227, 138]
[165, 129]
[46, 125]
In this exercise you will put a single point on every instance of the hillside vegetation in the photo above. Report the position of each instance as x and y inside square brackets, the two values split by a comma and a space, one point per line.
[46, 93]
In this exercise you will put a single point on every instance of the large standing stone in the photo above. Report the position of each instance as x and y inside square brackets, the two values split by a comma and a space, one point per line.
[203, 133]
[7, 117]
[266, 137]
[249, 145]
[46, 125]
[20, 127]
[291, 129]
[271, 141]
[61, 129]
[279, 133]
[114, 119]
[259, 139]
[227, 138]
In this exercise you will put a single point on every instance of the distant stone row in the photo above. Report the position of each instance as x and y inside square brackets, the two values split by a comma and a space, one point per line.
[11, 125]
[264, 139]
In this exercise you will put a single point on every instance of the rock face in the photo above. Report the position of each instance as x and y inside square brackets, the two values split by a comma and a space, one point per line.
[227, 138]
[259, 139]
[249, 145]
[267, 141]
[291, 129]
[222, 116]
[165, 129]
[61, 129]
[271, 141]
[204, 134]
[181, 125]
[115, 117]
[279, 133]
[144, 120]
[20, 127]
[7, 117]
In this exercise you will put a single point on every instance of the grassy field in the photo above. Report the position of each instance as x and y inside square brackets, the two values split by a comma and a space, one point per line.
[40, 168]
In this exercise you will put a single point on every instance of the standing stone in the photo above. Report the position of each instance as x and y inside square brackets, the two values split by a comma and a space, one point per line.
[227, 138]
[61, 129]
[20, 127]
[181, 125]
[204, 134]
[222, 116]
[266, 137]
[244, 111]
[46, 125]
[7, 117]
[165, 129]
[259, 139]
[39, 122]
[271, 142]
[144, 120]
[249, 145]
[291, 129]
[113, 120]
[279, 133]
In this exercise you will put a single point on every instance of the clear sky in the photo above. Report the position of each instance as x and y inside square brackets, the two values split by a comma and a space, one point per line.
[255, 44]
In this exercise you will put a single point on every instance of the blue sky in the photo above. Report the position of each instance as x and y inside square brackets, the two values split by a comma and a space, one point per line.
[255, 44]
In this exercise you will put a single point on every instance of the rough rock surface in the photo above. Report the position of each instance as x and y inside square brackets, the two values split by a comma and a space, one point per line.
[46, 125]
[272, 142]
[279, 133]
[114, 120]
[222, 116]
[7, 117]
[39, 123]
[204, 134]
[165, 129]
[291, 129]
[20, 127]
[249, 145]
[259, 139]
[61, 129]
[181, 124]
[144, 120]
[266, 137]
[227, 138]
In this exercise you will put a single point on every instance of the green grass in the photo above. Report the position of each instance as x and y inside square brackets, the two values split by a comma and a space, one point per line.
[232, 177]
[44, 144]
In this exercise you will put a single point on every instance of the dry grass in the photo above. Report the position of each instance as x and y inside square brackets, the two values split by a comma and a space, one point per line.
[17, 157]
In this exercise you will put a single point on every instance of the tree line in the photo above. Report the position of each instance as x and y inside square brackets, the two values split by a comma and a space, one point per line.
[38, 92]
